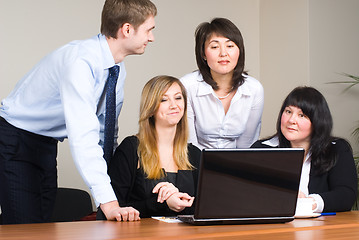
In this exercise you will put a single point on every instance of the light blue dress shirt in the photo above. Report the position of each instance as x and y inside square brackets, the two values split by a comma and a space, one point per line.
[63, 97]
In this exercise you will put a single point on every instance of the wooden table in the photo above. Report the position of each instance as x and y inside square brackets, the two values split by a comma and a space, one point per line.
[342, 226]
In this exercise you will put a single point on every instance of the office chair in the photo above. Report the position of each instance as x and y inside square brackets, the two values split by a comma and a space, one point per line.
[71, 205]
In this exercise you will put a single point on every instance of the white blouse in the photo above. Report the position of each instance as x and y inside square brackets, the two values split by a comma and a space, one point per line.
[210, 126]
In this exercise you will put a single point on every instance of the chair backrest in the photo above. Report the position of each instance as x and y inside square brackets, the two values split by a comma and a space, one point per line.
[71, 205]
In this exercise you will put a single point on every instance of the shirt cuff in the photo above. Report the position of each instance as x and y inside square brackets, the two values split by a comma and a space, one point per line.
[320, 203]
[103, 194]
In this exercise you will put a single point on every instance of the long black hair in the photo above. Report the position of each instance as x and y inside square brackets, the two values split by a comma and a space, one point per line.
[222, 27]
[315, 107]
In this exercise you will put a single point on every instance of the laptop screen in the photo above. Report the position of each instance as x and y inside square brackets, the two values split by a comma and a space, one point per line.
[249, 183]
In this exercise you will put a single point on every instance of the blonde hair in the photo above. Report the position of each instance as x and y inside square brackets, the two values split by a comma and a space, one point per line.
[151, 97]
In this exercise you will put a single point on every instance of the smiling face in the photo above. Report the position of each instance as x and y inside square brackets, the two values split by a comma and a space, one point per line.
[221, 54]
[296, 127]
[171, 108]
[142, 36]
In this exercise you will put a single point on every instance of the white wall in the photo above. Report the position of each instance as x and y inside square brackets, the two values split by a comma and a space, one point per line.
[334, 49]
[288, 43]
[283, 54]
[310, 43]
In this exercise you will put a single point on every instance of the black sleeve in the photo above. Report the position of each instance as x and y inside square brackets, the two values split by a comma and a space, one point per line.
[342, 181]
[122, 168]
[194, 155]
[150, 207]
[122, 171]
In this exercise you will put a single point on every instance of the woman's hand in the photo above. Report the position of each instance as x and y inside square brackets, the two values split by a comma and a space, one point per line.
[302, 195]
[179, 201]
[164, 190]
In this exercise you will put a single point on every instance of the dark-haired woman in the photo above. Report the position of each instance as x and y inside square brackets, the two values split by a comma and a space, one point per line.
[225, 105]
[329, 175]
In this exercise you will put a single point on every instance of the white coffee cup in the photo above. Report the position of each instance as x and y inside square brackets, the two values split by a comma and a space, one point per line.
[304, 207]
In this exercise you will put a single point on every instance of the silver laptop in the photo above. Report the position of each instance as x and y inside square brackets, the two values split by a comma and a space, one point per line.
[240, 186]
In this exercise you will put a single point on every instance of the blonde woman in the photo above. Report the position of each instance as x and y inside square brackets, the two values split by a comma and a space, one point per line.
[155, 171]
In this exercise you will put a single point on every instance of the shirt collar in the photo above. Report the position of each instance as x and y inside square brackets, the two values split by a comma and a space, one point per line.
[205, 89]
[244, 88]
[108, 60]
[273, 142]
[308, 157]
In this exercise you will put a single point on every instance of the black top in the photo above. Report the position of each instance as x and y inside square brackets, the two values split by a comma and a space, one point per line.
[339, 186]
[132, 188]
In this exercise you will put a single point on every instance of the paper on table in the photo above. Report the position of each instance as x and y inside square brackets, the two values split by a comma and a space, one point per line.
[167, 219]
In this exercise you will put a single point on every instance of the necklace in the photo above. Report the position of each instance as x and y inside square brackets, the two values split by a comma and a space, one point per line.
[226, 95]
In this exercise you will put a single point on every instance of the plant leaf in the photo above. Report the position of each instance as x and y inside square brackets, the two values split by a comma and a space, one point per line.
[352, 83]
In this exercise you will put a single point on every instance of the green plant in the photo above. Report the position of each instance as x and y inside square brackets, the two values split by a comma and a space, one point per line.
[354, 81]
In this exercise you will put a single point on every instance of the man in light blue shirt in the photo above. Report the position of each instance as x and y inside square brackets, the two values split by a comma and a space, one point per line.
[63, 96]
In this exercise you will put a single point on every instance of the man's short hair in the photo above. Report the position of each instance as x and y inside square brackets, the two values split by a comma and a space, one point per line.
[115, 13]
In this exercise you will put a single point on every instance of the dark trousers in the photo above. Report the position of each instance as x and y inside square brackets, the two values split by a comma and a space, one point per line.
[28, 175]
